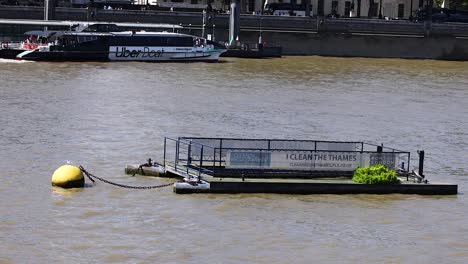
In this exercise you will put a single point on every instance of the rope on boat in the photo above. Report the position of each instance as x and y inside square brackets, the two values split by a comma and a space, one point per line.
[91, 176]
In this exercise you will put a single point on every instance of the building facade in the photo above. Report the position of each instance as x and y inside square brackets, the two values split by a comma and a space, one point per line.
[391, 9]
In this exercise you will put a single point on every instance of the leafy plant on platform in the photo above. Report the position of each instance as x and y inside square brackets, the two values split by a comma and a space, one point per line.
[377, 174]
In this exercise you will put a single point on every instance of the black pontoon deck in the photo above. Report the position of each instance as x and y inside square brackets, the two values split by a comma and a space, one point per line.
[235, 165]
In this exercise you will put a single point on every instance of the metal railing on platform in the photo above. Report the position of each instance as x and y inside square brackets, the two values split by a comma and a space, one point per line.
[281, 155]
[188, 157]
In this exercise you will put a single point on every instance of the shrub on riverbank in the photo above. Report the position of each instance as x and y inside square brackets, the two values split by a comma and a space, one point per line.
[378, 174]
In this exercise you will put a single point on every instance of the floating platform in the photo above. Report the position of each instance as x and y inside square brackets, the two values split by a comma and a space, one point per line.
[325, 186]
[232, 165]
[309, 186]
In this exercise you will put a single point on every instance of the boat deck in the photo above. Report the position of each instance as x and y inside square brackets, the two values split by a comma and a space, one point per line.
[325, 186]
[210, 184]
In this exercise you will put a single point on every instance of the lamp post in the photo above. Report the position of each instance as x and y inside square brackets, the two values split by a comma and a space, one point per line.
[380, 9]
[46, 12]
[213, 35]
[411, 11]
[260, 37]
[204, 22]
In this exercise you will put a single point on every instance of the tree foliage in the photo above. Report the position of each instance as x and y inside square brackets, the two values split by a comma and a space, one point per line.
[454, 4]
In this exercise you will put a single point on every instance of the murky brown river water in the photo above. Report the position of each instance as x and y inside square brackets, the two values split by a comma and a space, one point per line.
[106, 115]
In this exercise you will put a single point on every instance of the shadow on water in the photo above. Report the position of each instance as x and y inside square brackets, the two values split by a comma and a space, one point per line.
[71, 191]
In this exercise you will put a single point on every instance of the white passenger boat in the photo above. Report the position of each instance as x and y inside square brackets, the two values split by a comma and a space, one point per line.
[104, 42]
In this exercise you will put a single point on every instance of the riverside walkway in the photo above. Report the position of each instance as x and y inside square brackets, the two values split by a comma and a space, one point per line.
[193, 21]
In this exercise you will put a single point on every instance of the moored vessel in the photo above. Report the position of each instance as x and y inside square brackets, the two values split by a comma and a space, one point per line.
[104, 42]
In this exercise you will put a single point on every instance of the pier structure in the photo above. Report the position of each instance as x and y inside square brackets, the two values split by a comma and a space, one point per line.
[234, 165]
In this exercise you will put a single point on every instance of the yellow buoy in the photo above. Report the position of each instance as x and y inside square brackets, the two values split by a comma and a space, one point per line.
[68, 176]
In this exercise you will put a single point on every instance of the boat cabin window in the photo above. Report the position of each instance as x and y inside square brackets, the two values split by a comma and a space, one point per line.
[180, 41]
[102, 28]
[69, 40]
[161, 41]
[82, 39]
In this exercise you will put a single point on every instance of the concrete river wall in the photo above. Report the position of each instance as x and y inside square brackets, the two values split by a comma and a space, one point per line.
[296, 35]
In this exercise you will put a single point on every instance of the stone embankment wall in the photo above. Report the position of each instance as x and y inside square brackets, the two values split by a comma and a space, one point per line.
[297, 35]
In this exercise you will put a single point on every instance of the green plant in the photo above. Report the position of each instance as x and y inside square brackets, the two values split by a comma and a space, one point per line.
[377, 174]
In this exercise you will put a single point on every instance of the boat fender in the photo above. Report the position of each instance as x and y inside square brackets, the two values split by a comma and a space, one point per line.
[4, 45]
[68, 176]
